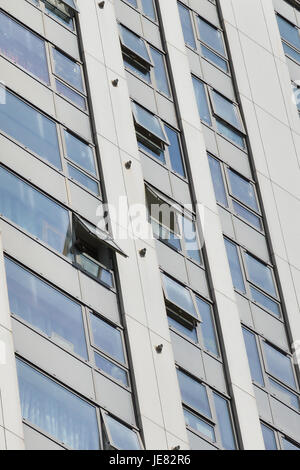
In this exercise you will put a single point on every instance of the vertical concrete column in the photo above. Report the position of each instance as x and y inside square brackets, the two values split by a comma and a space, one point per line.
[238, 368]
[11, 427]
[155, 375]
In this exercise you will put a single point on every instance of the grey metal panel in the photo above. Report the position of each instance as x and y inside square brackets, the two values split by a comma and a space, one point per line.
[251, 239]
[188, 356]
[156, 174]
[180, 190]
[34, 440]
[53, 360]
[40, 259]
[269, 327]
[151, 32]
[166, 109]
[210, 140]
[244, 309]
[285, 10]
[197, 443]
[235, 157]
[226, 222]
[33, 169]
[85, 203]
[197, 278]
[73, 118]
[141, 92]
[114, 398]
[214, 373]
[24, 12]
[128, 17]
[195, 63]
[99, 298]
[217, 79]
[263, 404]
[61, 37]
[171, 261]
[293, 69]
[206, 9]
[286, 419]
[27, 87]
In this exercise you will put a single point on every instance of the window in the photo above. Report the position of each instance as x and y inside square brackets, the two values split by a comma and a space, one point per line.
[269, 438]
[45, 308]
[274, 440]
[145, 6]
[120, 436]
[218, 182]
[213, 38]
[224, 421]
[187, 28]
[235, 267]
[199, 425]
[226, 110]
[31, 128]
[160, 72]
[62, 11]
[290, 37]
[34, 212]
[193, 394]
[179, 295]
[207, 326]
[56, 411]
[260, 275]
[80, 153]
[253, 356]
[135, 44]
[202, 102]
[279, 365]
[23, 48]
[149, 126]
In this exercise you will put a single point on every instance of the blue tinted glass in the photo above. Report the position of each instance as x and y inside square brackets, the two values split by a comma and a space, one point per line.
[107, 338]
[201, 101]
[45, 308]
[148, 9]
[62, 16]
[265, 301]
[247, 215]
[122, 437]
[230, 134]
[132, 2]
[141, 71]
[260, 275]
[83, 179]
[207, 326]
[284, 394]
[80, 153]
[269, 438]
[67, 69]
[186, 24]
[33, 211]
[31, 128]
[226, 110]
[23, 48]
[94, 269]
[55, 410]
[190, 333]
[157, 153]
[224, 422]
[291, 52]
[289, 32]
[134, 43]
[193, 393]
[242, 190]
[253, 357]
[179, 295]
[148, 120]
[208, 54]
[160, 72]
[70, 94]
[235, 267]
[287, 445]
[199, 425]
[211, 36]
[279, 365]
[174, 151]
[111, 369]
[218, 181]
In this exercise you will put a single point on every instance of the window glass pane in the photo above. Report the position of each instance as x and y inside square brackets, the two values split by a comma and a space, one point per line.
[279, 365]
[160, 72]
[207, 326]
[148, 9]
[55, 410]
[45, 308]
[242, 190]
[111, 369]
[67, 69]
[34, 212]
[201, 101]
[155, 151]
[93, 268]
[143, 73]
[80, 153]
[230, 134]
[253, 357]
[224, 422]
[218, 181]
[134, 43]
[122, 437]
[186, 24]
[211, 36]
[235, 267]
[289, 32]
[23, 48]
[247, 215]
[31, 128]
[265, 301]
[190, 333]
[216, 59]
[260, 274]
[226, 110]
[179, 295]
[193, 393]
[269, 438]
[64, 16]
[287, 445]
[107, 338]
[148, 121]
[132, 2]
[284, 394]
[191, 241]
[70, 94]
[291, 52]
[83, 179]
[174, 151]
[199, 425]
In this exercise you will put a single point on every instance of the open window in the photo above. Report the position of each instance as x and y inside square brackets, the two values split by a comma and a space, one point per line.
[62, 10]
[135, 52]
[118, 436]
[149, 128]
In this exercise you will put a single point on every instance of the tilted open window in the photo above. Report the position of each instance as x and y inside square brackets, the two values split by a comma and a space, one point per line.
[149, 127]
